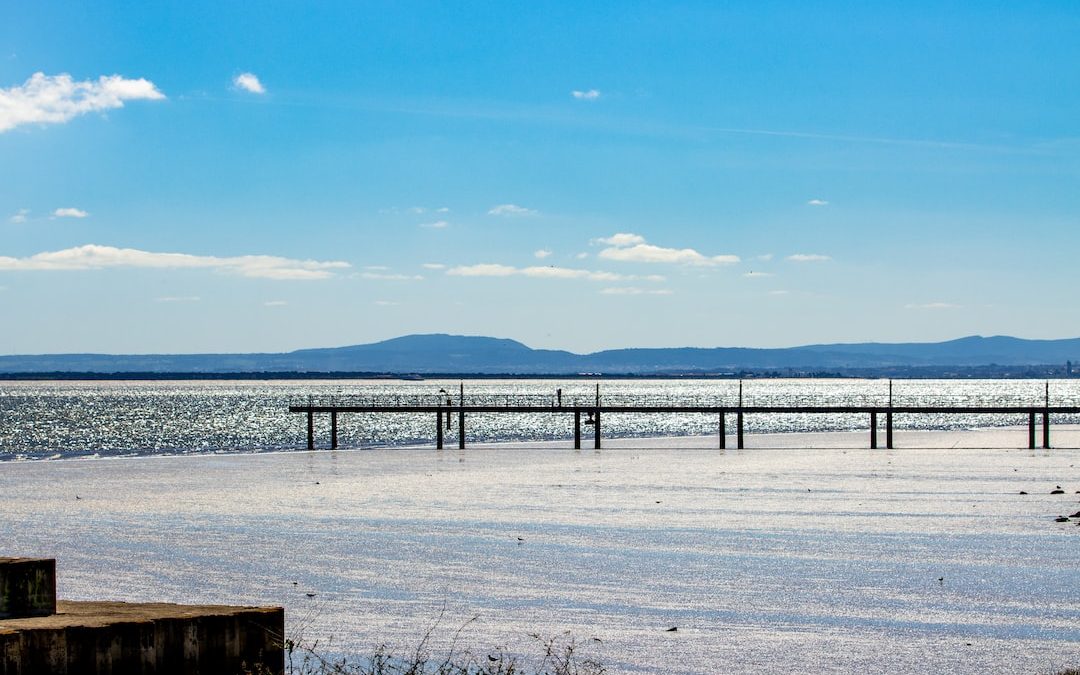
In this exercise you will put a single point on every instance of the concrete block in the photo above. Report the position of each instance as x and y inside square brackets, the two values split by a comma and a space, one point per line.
[116, 638]
[27, 587]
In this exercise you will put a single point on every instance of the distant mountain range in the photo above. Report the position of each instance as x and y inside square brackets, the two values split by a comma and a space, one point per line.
[446, 354]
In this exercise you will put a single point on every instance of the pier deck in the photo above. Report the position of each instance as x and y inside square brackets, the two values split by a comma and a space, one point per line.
[593, 414]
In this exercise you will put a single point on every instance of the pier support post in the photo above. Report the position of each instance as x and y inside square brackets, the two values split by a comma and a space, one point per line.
[577, 429]
[739, 423]
[438, 430]
[1031, 430]
[873, 430]
[722, 432]
[596, 429]
[888, 430]
[1046, 429]
[310, 430]
[333, 430]
[461, 430]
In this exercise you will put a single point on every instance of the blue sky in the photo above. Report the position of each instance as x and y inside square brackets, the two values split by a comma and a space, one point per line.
[206, 176]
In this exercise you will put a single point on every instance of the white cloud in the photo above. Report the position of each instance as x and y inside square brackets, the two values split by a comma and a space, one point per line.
[386, 303]
[70, 213]
[417, 209]
[626, 247]
[542, 253]
[932, 305]
[581, 256]
[587, 95]
[511, 210]
[55, 99]
[765, 257]
[621, 239]
[779, 292]
[757, 275]
[632, 290]
[443, 209]
[19, 217]
[546, 272]
[437, 225]
[482, 270]
[178, 298]
[275, 303]
[818, 202]
[249, 82]
[433, 266]
[383, 276]
[93, 256]
[808, 257]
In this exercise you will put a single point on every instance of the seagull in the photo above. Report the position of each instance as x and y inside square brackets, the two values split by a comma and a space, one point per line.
[311, 595]
[673, 629]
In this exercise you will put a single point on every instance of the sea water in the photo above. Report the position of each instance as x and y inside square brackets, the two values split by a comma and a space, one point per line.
[113, 418]
[800, 553]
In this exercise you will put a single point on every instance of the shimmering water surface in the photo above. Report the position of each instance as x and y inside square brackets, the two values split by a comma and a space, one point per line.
[67, 419]
[916, 560]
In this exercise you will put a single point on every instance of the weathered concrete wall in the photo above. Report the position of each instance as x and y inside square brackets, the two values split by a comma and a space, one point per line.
[112, 638]
[27, 587]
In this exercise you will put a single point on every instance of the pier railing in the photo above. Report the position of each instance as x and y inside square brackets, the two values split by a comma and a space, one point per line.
[587, 411]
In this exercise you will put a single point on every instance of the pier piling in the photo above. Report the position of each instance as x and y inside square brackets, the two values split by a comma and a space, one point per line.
[722, 432]
[739, 423]
[461, 430]
[1031, 430]
[888, 430]
[1046, 429]
[873, 431]
[333, 431]
[438, 430]
[310, 430]
[577, 429]
[596, 428]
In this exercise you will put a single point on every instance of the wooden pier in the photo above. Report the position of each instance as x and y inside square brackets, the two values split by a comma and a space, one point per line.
[590, 416]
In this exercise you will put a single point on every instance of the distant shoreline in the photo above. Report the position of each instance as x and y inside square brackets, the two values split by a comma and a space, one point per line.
[1044, 372]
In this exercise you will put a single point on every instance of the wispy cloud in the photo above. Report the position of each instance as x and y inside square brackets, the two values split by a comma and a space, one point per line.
[93, 256]
[275, 303]
[437, 225]
[386, 303]
[178, 298]
[627, 247]
[249, 82]
[384, 276]
[818, 202]
[757, 275]
[542, 253]
[433, 266]
[20, 216]
[545, 272]
[511, 210]
[779, 292]
[482, 270]
[633, 290]
[932, 305]
[585, 95]
[70, 213]
[55, 99]
[808, 257]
